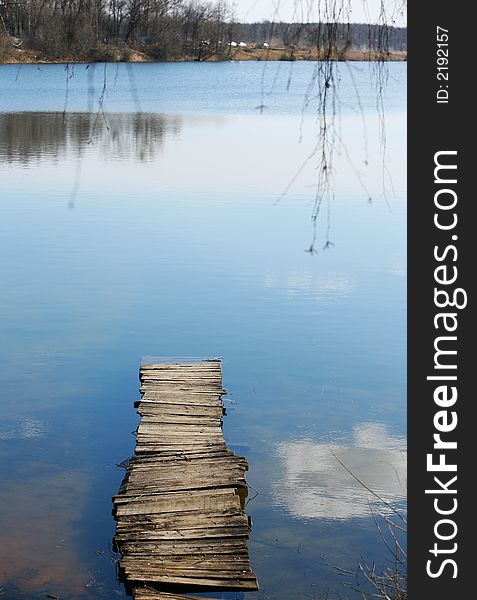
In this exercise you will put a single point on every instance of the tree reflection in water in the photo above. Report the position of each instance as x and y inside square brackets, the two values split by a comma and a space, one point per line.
[27, 137]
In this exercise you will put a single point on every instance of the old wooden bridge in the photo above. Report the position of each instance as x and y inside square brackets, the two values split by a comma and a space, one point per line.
[181, 524]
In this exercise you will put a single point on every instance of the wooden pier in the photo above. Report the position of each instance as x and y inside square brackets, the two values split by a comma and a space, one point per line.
[180, 514]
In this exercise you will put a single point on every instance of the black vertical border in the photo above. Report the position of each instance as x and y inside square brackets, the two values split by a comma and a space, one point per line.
[434, 127]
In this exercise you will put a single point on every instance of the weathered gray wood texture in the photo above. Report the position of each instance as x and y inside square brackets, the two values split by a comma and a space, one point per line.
[180, 518]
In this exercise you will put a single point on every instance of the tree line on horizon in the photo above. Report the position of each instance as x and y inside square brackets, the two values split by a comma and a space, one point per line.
[171, 29]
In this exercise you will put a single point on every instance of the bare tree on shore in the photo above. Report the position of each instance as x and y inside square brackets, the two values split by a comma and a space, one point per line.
[165, 29]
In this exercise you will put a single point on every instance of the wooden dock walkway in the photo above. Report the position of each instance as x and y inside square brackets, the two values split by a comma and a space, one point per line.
[180, 514]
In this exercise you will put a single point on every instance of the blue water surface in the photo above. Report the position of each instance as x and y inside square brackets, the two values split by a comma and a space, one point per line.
[153, 209]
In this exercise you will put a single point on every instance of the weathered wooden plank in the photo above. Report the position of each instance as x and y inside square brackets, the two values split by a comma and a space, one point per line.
[146, 445]
[202, 366]
[162, 408]
[196, 418]
[138, 486]
[182, 384]
[184, 455]
[178, 486]
[158, 380]
[194, 569]
[148, 449]
[195, 372]
[189, 496]
[155, 477]
[188, 421]
[151, 507]
[158, 551]
[198, 379]
[196, 500]
[190, 442]
[194, 429]
[150, 424]
[178, 438]
[175, 383]
[213, 416]
[207, 561]
[183, 520]
[195, 546]
[190, 372]
[181, 396]
[154, 391]
[207, 582]
[185, 470]
[150, 533]
[149, 445]
[193, 403]
[176, 420]
[146, 408]
[153, 572]
[179, 462]
[145, 593]
[230, 549]
[166, 435]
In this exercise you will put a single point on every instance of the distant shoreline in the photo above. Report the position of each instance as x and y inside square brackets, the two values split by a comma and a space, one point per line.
[129, 55]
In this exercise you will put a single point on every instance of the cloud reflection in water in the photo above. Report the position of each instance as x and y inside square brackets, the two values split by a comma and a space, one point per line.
[314, 484]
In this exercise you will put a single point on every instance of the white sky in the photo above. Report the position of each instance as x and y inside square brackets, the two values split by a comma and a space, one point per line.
[362, 11]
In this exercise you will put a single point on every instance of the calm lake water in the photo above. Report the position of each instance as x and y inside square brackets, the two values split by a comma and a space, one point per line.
[139, 216]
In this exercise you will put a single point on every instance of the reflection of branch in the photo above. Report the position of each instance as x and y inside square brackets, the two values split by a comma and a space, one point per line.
[253, 497]
[100, 110]
[297, 174]
[375, 494]
[76, 182]
[334, 37]
[385, 541]
[67, 85]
